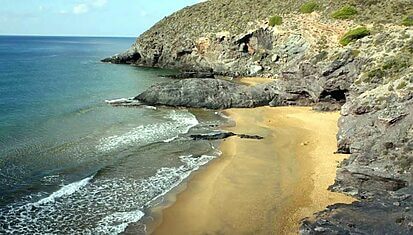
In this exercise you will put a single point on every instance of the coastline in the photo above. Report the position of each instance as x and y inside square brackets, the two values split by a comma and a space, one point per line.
[260, 187]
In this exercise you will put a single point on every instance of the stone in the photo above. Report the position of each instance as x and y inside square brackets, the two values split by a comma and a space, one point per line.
[206, 93]
[255, 69]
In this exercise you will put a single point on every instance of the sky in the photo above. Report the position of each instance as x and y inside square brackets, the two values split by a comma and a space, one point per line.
[84, 17]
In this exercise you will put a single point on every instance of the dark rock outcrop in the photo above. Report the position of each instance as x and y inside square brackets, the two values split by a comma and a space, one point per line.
[207, 93]
[380, 144]
[305, 85]
[192, 74]
[376, 128]
[385, 213]
[224, 135]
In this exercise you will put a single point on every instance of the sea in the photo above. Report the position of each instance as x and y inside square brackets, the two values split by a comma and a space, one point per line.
[70, 163]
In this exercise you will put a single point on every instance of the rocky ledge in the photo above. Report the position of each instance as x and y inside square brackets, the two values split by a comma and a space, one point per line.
[385, 213]
[369, 77]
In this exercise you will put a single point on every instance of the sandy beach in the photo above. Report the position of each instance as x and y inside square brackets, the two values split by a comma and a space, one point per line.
[252, 81]
[261, 186]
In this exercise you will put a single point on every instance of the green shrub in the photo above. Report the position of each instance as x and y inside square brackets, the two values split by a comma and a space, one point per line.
[396, 64]
[275, 20]
[401, 85]
[354, 35]
[355, 53]
[375, 73]
[389, 64]
[309, 7]
[344, 13]
[407, 21]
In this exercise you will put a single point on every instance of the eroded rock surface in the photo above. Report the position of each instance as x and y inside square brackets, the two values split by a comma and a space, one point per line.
[207, 93]
[386, 213]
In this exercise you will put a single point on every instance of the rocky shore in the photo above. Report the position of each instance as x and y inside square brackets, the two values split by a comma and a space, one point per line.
[370, 80]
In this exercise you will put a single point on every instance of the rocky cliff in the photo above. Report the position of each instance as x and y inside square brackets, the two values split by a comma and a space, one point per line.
[222, 35]
[356, 56]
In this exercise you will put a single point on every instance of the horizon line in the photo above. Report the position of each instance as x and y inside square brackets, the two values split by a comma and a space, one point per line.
[69, 35]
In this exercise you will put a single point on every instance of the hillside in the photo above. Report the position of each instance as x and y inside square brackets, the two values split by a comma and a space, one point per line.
[173, 41]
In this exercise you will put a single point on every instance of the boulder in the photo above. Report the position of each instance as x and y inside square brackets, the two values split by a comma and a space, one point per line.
[207, 93]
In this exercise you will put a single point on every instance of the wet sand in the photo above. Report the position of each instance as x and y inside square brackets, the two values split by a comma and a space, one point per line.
[261, 186]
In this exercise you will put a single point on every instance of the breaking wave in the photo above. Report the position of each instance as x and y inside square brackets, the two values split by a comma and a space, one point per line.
[179, 123]
[96, 206]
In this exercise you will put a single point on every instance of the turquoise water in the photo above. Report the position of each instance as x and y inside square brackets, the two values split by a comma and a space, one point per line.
[69, 162]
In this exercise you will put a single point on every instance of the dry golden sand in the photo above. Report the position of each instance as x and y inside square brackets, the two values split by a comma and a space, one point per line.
[261, 186]
[252, 81]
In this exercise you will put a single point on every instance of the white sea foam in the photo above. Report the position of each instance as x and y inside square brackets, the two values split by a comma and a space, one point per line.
[117, 101]
[180, 123]
[64, 191]
[150, 107]
[117, 222]
[171, 139]
[124, 102]
[181, 173]
[164, 181]
[104, 206]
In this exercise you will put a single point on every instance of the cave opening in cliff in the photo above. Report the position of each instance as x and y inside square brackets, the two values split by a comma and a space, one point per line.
[336, 95]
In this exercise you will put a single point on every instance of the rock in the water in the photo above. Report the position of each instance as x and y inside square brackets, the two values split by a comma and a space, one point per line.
[224, 135]
[214, 136]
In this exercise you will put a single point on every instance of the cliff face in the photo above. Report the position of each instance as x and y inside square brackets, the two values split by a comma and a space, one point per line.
[372, 77]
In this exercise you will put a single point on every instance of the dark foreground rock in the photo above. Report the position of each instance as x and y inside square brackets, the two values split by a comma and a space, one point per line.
[386, 213]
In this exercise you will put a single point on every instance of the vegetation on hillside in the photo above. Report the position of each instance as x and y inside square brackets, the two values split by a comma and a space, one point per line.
[275, 20]
[354, 35]
[309, 7]
[408, 21]
[345, 12]
[234, 16]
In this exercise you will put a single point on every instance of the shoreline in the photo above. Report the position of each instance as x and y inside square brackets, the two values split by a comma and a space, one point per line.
[259, 186]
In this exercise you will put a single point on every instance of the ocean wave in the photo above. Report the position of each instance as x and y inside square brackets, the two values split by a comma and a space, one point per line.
[170, 139]
[150, 107]
[175, 175]
[117, 222]
[64, 191]
[124, 102]
[180, 123]
[101, 206]
[129, 102]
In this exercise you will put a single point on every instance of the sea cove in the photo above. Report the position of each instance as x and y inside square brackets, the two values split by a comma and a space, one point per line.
[206, 117]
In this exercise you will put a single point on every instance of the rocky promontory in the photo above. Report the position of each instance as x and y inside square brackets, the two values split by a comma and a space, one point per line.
[356, 56]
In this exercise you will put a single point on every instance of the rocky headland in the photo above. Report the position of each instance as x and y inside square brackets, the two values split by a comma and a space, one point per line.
[353, 56]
